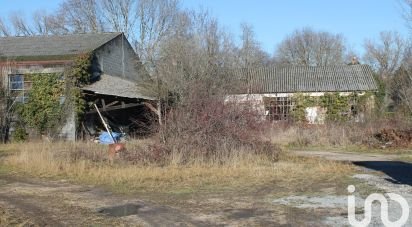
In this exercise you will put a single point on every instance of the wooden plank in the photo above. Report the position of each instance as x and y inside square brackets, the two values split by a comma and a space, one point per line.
[117, 107]
[105, 124]
[112, 103]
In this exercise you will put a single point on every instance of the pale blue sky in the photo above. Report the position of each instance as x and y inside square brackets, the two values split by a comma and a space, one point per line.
[272, 20]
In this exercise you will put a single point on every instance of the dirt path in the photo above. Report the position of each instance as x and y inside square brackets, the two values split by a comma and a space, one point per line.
[36, 202]
[58, 203]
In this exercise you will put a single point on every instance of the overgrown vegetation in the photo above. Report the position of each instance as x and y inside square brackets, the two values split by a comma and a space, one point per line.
[339, 108]
[79, 74]
[19, 134]
[378, 135]
[43, 111]
[204, 127]
[5, 114]
[87, 163]
[53, 97]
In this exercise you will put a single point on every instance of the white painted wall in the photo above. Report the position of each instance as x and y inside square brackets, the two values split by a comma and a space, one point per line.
[314, 115]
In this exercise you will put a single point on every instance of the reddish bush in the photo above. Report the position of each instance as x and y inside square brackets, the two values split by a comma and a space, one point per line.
[204, 126]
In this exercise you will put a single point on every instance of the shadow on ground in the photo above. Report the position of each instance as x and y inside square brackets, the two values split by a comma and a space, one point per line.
[400, 172]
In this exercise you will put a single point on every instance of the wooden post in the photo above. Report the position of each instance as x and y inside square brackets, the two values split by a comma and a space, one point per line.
[104, 123]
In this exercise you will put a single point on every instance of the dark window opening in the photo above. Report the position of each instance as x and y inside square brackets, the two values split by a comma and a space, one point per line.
[278, 108]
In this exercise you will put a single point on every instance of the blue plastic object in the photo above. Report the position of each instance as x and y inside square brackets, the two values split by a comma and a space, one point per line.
[105, 138]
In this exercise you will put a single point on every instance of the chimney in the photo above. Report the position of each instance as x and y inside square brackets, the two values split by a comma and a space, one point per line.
[354, 61]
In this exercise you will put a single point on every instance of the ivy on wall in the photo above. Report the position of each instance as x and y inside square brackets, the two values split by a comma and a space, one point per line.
[339, 108]
[54, 96]
[43, 110]
[77, 76]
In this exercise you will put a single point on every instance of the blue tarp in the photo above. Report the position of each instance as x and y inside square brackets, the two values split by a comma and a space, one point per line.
[105, 138]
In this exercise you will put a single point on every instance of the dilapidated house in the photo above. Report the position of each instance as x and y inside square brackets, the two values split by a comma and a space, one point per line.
[274, 90]
[115, 73]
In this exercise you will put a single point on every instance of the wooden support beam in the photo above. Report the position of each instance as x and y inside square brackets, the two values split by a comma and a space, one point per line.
[151, 107]
[103, 104]
[117, 107]
[112, 103]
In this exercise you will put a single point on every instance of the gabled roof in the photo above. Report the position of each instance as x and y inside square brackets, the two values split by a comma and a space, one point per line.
[52, 47]
[287, 79]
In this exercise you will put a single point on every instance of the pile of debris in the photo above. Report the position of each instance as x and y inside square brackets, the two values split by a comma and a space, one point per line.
[394, 137]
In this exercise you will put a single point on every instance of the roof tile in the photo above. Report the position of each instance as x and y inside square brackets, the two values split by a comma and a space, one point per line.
[284, 79]
[56, 45]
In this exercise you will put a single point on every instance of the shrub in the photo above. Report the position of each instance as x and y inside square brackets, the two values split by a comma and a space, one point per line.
[20, 134]
[338, 134]
[203, 127]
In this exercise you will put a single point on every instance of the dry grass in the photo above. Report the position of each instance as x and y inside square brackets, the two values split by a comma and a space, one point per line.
[343, 136]
[8, 218]
[56, 160]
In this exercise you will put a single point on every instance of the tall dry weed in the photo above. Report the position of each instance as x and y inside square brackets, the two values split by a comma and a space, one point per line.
[334, 134]
[56, 160]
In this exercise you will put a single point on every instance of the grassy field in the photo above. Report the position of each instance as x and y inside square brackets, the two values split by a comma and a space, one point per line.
[239, 191]
[342, 138]
[61, 160]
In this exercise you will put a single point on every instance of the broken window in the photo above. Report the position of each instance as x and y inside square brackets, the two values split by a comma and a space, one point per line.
[278, 108]
[19, 86]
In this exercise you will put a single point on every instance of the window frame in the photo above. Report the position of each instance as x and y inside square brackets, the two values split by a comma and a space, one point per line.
[279, 108]
[21, 92]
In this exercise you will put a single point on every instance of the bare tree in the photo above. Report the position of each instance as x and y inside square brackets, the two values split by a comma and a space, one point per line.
[156, 19]
[406, 6]
[75, 16]
[119, 15]
[20, 25]
[400, 83]
[250, 53]
[4, 29]
[41, 22]
[400, 88]
[386, 54]
[198, 51]
[312, 48]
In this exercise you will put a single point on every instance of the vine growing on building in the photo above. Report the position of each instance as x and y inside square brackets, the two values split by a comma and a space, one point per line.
[338, 107]
[43, 110]
[54, 96]
[76, 76]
